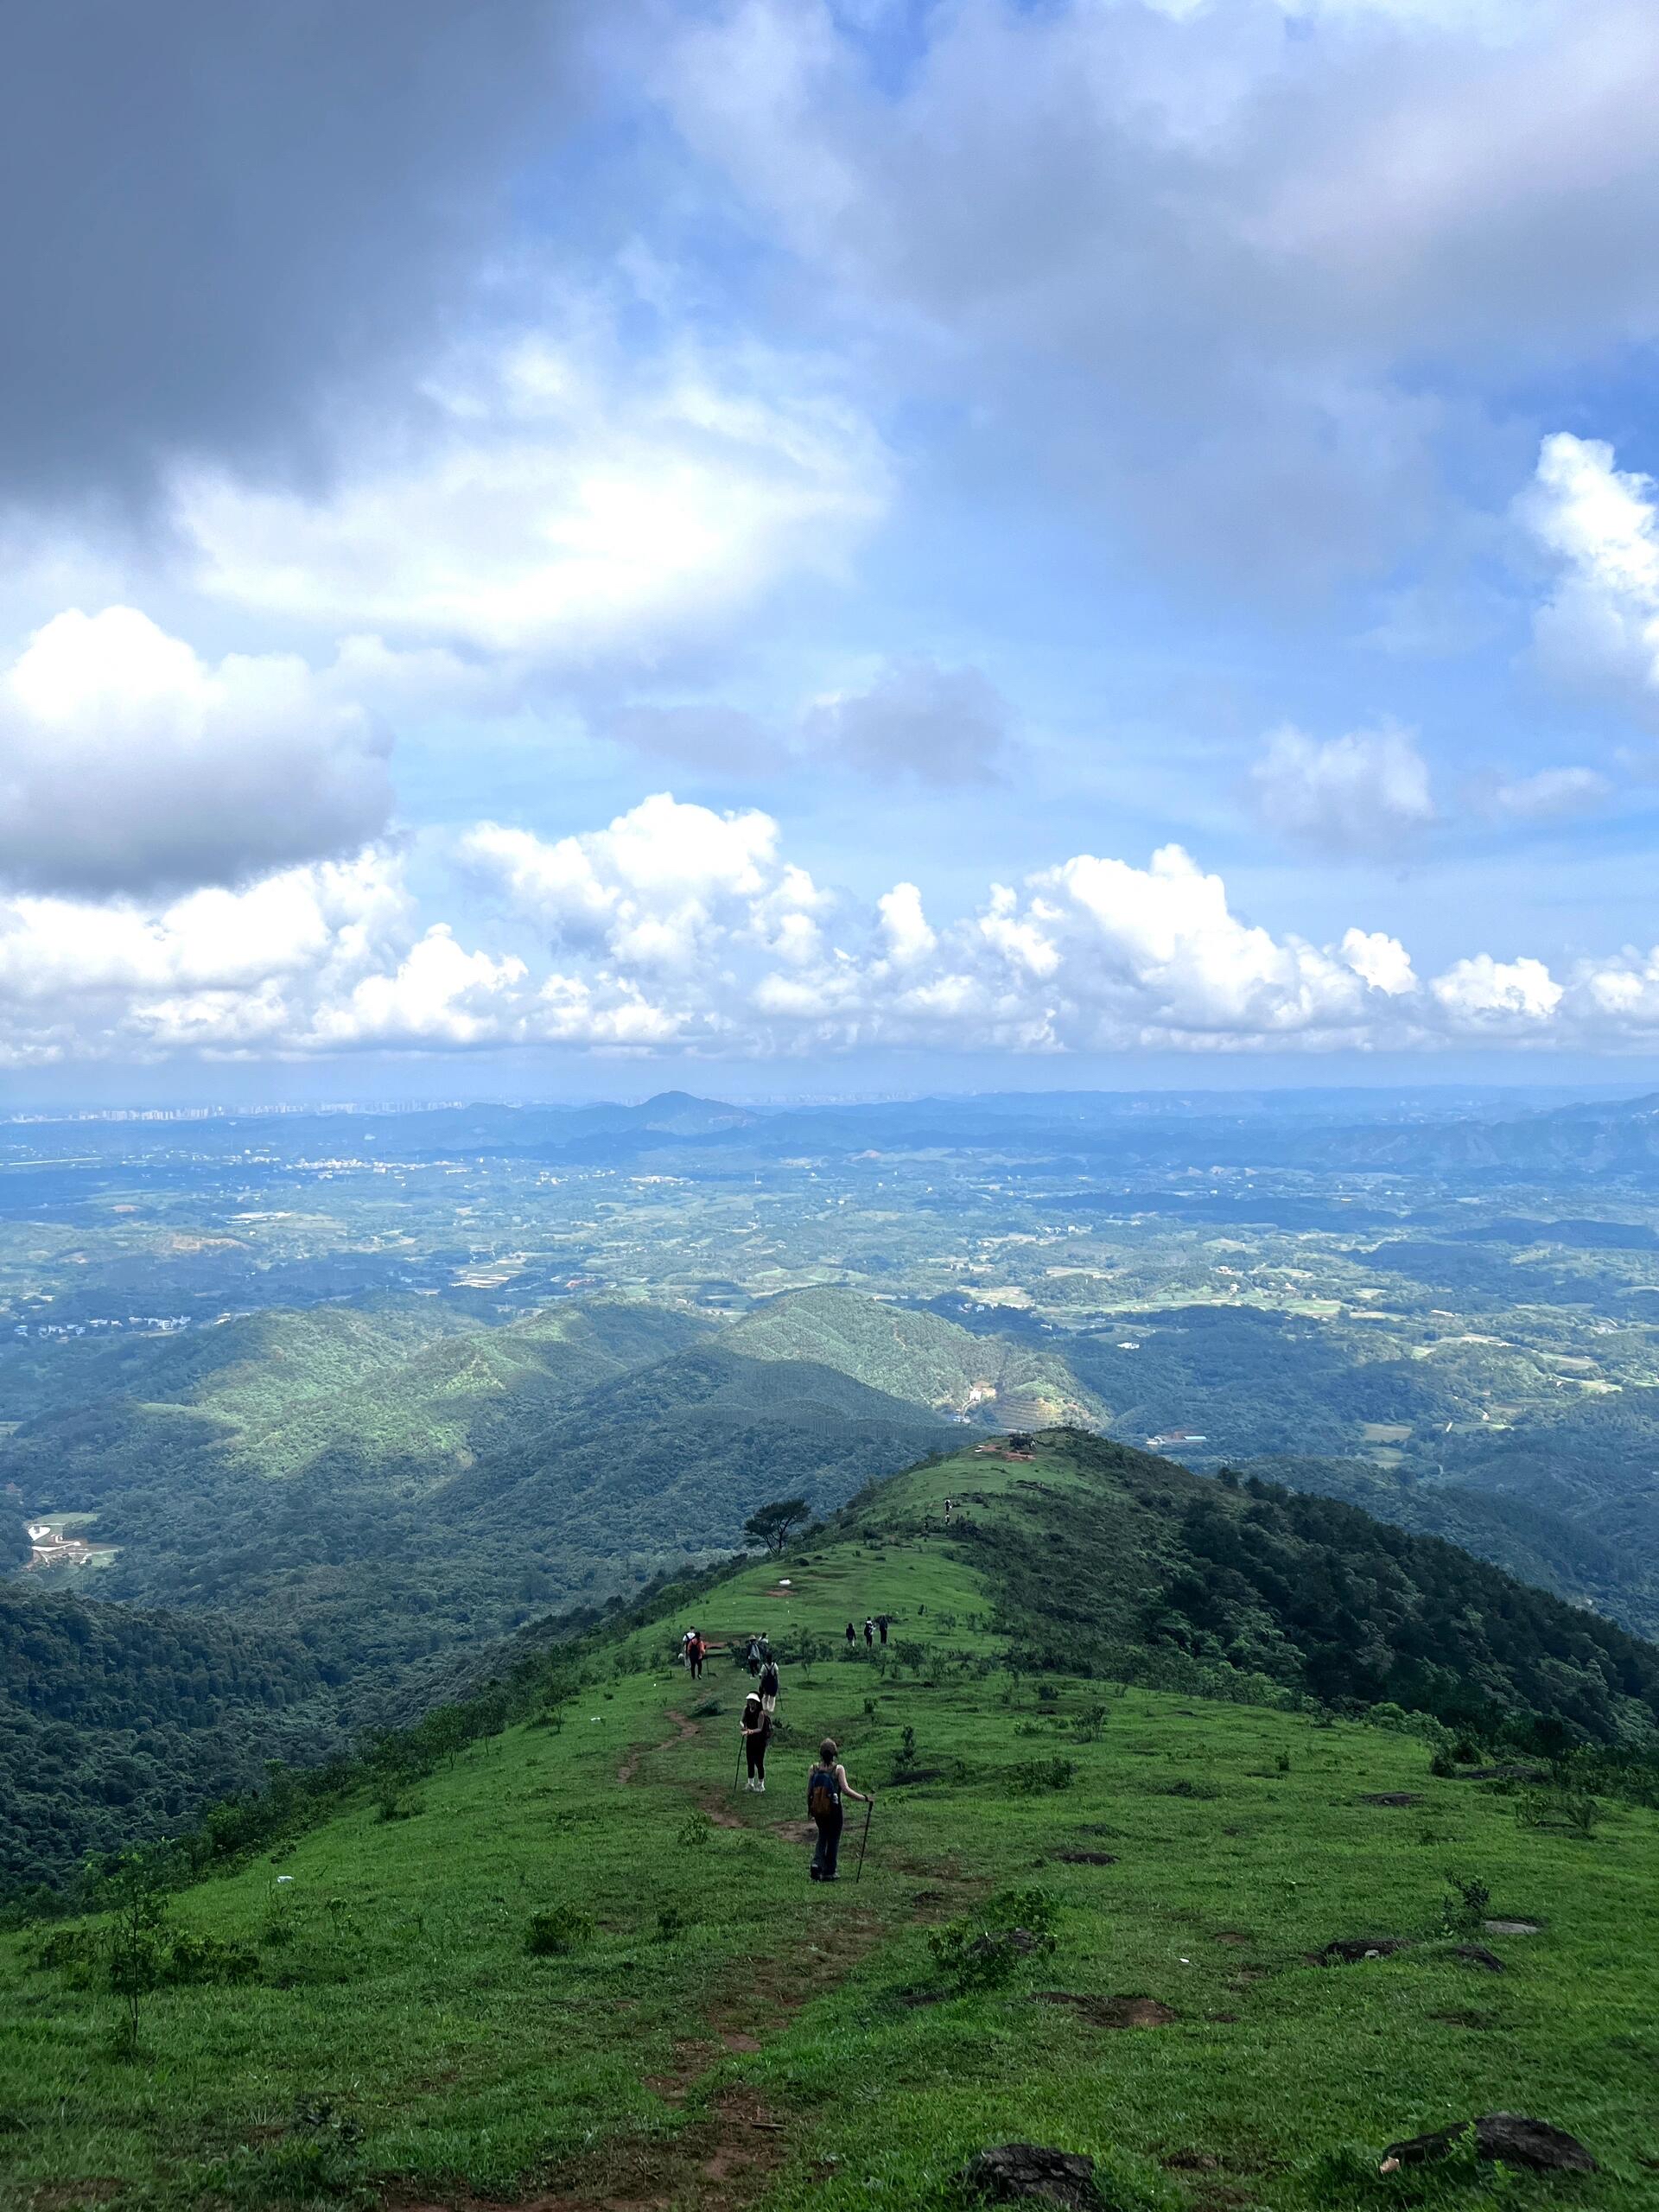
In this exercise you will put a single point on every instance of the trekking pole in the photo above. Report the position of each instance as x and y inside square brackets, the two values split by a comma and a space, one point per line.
[864, 1839]
[737, 1774]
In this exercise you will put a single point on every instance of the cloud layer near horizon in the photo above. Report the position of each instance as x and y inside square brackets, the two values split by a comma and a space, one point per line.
[677, 931]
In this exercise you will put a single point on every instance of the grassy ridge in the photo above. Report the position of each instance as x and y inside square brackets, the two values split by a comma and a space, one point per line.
[724, 2033]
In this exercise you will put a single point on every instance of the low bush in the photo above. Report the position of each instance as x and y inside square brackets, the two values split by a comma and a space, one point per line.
[984, 1950]
[558, 1930]
[1033, 1775]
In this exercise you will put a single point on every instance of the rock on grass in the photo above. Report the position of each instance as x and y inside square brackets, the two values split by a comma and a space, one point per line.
[1020, 2173]
[1508, 2137]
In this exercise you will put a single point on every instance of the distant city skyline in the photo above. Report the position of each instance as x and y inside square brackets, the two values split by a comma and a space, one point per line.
[828, 547]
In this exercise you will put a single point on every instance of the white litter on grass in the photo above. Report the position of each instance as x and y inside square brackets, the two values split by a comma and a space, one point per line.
[281, 1878]
[784, 1584]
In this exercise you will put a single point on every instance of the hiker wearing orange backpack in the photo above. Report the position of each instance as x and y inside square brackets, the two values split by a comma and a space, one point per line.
[826, 1786]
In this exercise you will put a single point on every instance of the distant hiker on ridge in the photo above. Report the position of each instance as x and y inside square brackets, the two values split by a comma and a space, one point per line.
[756, 1726]
[852, 1636]
[697, 1652]
[769, 1687]
[870, 1630]
[826, 1786]
[755, 1655]
[881, 1624]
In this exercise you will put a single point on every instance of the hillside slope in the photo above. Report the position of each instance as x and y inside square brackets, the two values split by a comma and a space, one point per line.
[116, 1724]
[1574, 1557]
[919, 1356]
[702, 2028]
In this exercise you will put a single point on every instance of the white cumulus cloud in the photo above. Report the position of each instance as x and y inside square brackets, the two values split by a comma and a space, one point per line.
[556, 505]
[1596, 523]
[127, 763]
[676, 931]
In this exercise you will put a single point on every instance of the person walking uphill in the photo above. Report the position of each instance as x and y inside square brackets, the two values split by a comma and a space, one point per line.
[826, 1786]
[852, 1636]
[769, 1687]
[756, 1726]
[697, 1652]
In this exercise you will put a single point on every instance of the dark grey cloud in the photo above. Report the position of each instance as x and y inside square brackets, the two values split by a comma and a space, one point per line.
[945, 726]
[212, 212]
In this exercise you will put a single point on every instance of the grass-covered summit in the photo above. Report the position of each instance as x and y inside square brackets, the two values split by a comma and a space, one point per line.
[574, 1962]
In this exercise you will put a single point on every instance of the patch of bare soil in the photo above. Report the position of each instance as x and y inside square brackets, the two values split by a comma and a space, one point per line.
[1086, 1858]
[1109, 2011]
[1393, 1797]
[683, 1729]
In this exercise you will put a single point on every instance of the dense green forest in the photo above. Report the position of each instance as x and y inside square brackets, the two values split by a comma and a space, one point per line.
[116, 1724]
[1304, 1592]
[1567, 1555]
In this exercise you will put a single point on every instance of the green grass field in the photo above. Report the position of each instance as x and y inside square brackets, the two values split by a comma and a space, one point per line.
[725, 2032]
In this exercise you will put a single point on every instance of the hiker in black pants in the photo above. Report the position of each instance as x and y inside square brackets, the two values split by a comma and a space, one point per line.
[756, 1725]
[695, 1652]
[870, 1630]
[755, 1655]
[852, 1636]
[881, 1624]
[826, 1786]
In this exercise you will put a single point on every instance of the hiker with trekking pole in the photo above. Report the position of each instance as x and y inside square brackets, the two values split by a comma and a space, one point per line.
[756, 1730]
[826, 1787]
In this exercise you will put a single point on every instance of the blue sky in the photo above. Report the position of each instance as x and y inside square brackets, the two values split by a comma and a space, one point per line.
[804, 544]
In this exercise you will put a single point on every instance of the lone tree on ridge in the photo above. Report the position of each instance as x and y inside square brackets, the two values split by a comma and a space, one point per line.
[774, 1525]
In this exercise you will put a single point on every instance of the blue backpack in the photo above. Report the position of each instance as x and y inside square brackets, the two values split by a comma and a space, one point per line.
[822, 1798]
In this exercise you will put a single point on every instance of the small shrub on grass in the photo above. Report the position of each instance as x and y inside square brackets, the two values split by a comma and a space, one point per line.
[1466, 1907]
[1281, 1764]
[1034, 1775]
[557, 1931]
[1184, 1788]
[1091, 1725]
[694, 1830]
[1442, 1764]
[710, 1709]
[199, 1960]
[672, 1922]
[984, 1950]
[1574, 1810]
[71, 1951]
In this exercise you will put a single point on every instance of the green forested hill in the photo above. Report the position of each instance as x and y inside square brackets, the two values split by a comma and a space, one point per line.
[453, 1495]
[1571, 1557]
[917, 1355]
[387, 1485]
[116, 1723]
[1134, 1554]
[577, 1965]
